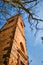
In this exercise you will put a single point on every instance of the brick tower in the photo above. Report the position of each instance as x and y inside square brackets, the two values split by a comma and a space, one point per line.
[12, 42]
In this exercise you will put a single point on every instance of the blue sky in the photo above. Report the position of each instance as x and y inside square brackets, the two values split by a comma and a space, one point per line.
[34, 44]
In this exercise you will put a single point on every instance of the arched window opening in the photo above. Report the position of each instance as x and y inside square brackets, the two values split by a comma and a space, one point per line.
[22, 24]
[22, 48]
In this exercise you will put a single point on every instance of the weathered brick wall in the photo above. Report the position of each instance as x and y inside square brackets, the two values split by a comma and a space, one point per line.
[12, 43]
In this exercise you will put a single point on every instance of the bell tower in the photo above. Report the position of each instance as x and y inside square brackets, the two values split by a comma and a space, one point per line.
[16, 52]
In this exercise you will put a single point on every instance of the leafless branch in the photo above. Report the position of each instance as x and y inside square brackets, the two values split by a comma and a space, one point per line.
[29, 2]
[20, 5]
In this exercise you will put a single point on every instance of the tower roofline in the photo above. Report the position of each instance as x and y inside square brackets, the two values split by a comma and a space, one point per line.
[11, 18]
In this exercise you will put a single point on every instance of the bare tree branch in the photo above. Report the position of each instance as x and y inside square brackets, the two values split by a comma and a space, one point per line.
[29, 2]
[19, 4]
[22, 7]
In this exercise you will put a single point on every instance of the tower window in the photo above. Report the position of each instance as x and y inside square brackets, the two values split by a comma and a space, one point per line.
[21, 63]
[22, 24]
[22, 48]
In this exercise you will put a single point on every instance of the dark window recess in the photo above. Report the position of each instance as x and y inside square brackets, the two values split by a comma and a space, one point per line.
[22, 48]
[22, 24]
[21, 63]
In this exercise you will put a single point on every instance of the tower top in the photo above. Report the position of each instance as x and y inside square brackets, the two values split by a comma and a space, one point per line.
[11, 20]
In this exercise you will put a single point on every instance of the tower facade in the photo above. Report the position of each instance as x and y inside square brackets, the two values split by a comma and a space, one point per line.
[13, 43]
